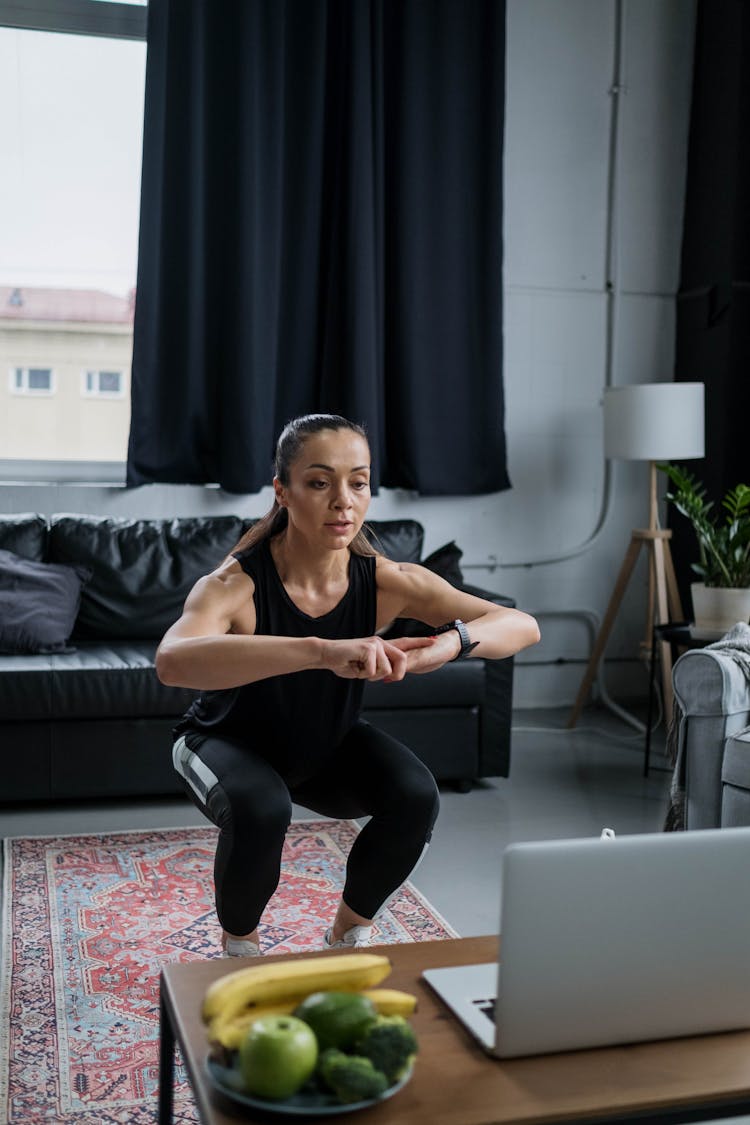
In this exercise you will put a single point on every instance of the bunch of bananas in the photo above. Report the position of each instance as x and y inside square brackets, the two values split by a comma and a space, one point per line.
[233, 1002]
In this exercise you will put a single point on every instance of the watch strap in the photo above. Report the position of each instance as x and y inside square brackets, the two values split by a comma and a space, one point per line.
[466, 642]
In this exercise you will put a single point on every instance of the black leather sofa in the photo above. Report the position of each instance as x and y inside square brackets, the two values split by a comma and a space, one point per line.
[88, 717]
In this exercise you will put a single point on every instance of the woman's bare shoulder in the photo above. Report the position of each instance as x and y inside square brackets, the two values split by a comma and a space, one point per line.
[219, 602]
[394, 575]
[225, 585]
[399, 586]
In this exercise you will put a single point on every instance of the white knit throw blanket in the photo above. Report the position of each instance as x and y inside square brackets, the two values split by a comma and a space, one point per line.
[736, 645]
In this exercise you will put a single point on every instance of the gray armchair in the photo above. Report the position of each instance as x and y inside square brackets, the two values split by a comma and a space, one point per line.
[711, 783]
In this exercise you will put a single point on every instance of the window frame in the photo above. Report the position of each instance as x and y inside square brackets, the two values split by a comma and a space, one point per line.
[13, 471]
[99, 393]
[25, 389]
[110, 20]
[76, 17]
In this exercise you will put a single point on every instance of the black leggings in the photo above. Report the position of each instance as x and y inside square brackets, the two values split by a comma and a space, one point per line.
[369, 774]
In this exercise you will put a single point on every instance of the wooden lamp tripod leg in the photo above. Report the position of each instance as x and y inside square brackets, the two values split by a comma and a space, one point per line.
[631, 557]
[662, 616]
[668, 608]
[673, 593]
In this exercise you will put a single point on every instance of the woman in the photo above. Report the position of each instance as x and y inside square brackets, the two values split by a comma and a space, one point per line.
[280, 639]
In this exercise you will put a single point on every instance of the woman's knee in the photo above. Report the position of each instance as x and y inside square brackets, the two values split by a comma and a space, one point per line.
[251, 810]
[429, 796]
[415, 791]
[390, 777]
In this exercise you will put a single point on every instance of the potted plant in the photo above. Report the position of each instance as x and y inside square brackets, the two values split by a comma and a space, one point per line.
[722, 597]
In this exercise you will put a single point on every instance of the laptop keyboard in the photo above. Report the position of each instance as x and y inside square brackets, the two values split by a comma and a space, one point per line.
[487, 1006]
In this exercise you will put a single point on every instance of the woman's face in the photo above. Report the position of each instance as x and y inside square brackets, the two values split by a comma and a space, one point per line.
[328, 493]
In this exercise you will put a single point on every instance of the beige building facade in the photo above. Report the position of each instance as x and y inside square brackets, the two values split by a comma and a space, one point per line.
[65, 358]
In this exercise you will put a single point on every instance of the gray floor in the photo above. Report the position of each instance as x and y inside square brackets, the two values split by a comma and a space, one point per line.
[563, 783]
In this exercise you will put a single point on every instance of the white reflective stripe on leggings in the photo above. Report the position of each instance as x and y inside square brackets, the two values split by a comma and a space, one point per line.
[195, 772]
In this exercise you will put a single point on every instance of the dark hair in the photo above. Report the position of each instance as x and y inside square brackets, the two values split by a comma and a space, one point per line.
[288, 448]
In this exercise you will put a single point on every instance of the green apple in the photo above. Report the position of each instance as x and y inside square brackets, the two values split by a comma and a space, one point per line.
[277, 1056]
[338, 1019]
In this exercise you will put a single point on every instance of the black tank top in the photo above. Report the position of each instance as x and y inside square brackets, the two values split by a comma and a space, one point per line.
[295, 720]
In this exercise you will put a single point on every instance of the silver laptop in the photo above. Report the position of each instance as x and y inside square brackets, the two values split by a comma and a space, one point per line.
[609, 941]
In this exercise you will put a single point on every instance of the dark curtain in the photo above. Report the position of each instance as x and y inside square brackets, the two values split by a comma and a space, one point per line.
[713, 304]
[321, 230]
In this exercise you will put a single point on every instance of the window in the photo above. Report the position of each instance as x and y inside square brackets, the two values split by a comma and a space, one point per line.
[32, 381]
[69, 210]
[104, 384]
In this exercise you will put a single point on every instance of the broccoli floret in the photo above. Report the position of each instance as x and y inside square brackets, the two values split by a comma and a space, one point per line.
[391, 1044]
[352, 1078]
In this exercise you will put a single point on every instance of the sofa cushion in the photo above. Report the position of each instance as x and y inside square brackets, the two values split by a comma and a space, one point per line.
[24, 535]
[142, 570]
[447, 739]
[456, 684]
[735, 777]
[735, 769]
[95, 681]
[38, 603]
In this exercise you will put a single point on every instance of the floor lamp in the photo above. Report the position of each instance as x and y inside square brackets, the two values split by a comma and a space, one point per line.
[648, 422]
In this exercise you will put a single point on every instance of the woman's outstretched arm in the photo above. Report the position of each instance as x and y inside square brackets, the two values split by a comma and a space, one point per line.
[213, 644]
[409, 590]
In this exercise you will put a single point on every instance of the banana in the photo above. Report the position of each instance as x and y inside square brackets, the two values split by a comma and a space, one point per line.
[280, 981]
[391, 1002]
[231, 1032]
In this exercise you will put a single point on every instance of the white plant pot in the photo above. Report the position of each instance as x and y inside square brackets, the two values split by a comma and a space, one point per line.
[719, 608]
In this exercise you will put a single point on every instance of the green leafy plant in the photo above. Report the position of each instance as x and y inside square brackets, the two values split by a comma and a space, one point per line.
[723, 538]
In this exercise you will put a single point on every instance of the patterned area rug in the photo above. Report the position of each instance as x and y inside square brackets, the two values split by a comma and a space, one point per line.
[87, 923]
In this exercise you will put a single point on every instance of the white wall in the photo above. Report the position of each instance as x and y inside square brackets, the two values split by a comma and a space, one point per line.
[556, 539]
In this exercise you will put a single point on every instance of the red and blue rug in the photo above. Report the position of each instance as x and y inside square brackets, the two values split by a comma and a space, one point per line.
[87, 923]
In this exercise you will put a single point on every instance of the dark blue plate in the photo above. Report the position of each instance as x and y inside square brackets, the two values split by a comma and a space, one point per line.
[310, 1103]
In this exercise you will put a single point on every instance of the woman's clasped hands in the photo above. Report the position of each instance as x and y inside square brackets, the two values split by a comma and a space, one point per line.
[373, 658]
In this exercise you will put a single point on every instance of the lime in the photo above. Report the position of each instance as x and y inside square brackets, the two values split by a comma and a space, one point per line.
[277, 1056]
[337, 1018]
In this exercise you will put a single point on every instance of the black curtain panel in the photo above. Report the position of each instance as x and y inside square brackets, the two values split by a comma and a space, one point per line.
[321, 230]
[713, 304]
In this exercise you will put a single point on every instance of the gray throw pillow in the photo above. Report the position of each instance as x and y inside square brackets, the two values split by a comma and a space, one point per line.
[38, 604]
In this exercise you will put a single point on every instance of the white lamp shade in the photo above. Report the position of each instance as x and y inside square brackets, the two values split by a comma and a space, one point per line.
[654, 421]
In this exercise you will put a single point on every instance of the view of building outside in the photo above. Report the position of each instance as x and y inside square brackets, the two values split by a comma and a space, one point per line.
[67, 355]
[71, 136]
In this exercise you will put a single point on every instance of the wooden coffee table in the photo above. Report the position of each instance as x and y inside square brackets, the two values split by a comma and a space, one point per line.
[456, 1083]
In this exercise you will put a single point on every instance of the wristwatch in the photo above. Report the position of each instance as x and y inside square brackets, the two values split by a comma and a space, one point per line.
[466, 643]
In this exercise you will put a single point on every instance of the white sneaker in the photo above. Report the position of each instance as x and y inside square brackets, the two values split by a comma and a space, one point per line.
[241, 948]
[358, 937]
